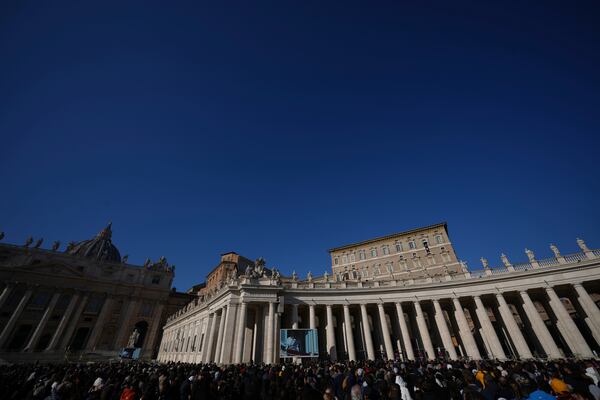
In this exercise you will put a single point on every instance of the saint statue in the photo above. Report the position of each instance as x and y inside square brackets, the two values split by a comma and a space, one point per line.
[555, 250]
[504, 260]
[530, 255]
[135, 335]
[485, 263]
[582, 245]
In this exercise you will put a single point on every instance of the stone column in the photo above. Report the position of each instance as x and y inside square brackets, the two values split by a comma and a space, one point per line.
[385, 330]
[6, 292]
[63, 323]
[331, 349]
[440, 321]
[256, 345]
[148, 345]
[539, 327]
[489, 333]
[312, 320]
[590, 309]
[512, 328]
[228, 342]
[294, 316]
[239, 336]
[270, 331]
[349, 333]
[14, 318]
[364, 317]
[71, 327]
[218, 349]
[213, 322]
[574, 339]
[42, 324]
[464, 331]
[410, 354]
[100, 323]
[424, 332]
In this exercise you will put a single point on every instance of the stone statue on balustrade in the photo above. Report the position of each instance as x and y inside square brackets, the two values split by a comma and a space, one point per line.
[294, 276]
[555, 250]
[504, 260]
[275, 274]
[530, 255]
[326, 276]
[582, 245]
[309, 276]
[133, 338]
[485, 263]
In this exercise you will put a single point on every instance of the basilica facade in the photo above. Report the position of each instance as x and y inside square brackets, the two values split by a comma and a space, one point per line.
[405, 296]
[86, 302]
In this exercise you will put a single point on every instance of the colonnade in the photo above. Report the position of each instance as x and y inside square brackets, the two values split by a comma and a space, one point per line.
[499, 324]
[63, 314]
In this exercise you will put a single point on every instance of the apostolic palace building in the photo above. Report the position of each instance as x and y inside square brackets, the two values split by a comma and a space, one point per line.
[403, 296]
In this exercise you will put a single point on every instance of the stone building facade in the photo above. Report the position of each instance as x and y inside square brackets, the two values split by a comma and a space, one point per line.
[84, 302]
[541, 308]
[412, 254]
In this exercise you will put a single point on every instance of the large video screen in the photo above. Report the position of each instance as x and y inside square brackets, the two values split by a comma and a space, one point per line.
[299, 343]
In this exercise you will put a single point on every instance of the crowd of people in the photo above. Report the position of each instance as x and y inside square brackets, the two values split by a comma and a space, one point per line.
[371, 380]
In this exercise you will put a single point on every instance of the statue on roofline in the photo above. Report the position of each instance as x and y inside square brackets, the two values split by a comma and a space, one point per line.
[530, 255]
[555, 250]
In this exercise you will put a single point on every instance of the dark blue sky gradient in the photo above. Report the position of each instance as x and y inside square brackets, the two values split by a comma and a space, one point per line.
[282, 129]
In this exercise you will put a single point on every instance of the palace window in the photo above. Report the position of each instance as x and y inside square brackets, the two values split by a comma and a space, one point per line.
[438, 239]
[412, 245]
[373, 252]
[344, 259]
[385, 249]
[362, 255]
[336, 261]
[398, 247]
[352, 257]
[156, 279]
[426, 245]
[377, 270]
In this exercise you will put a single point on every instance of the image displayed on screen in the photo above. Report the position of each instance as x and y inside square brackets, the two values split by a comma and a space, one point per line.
[299, 343]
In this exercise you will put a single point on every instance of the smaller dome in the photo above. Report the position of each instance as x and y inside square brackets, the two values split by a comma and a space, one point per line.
[99, 248]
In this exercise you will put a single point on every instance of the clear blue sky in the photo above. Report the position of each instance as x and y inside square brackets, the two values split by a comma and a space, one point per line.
[282, 129]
